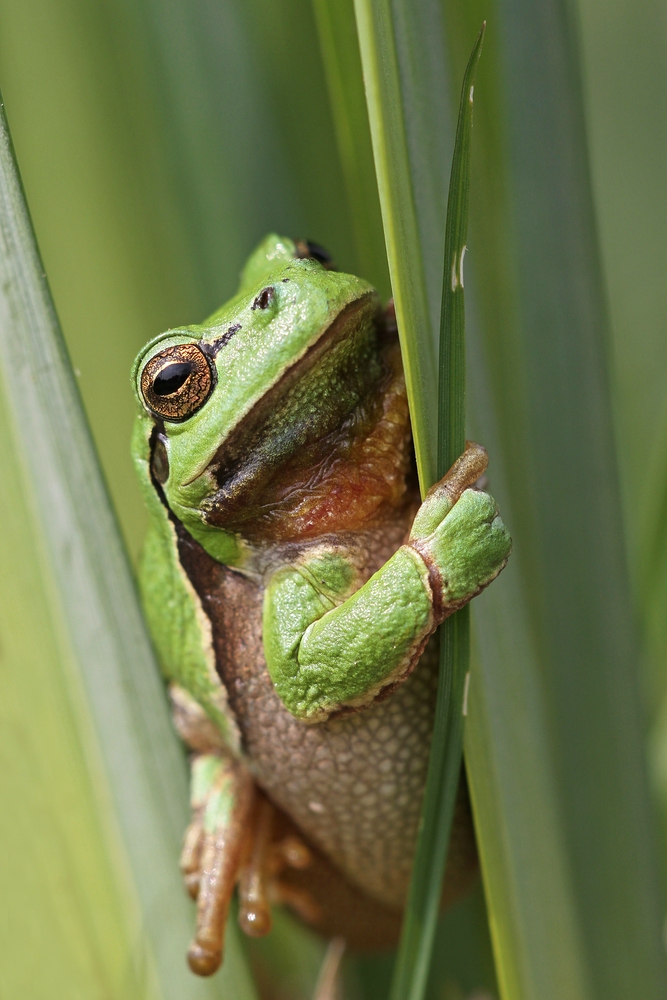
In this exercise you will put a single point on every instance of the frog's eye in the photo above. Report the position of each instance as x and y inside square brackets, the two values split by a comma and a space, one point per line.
[177, 382]
[307, 250]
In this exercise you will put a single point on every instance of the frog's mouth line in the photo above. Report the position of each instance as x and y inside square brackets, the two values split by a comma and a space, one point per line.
[320, 404]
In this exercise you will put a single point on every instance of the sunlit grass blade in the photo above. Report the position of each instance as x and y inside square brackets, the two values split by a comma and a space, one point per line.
[406, 269]
[340, 53]
[127, 768]
[444, 772]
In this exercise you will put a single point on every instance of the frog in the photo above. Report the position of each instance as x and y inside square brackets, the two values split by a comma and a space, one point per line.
[293, 581]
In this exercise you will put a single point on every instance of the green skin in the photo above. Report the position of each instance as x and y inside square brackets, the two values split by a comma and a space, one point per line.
[329, 644]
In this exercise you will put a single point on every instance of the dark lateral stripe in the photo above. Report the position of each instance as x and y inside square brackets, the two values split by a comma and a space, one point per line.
[212, 348]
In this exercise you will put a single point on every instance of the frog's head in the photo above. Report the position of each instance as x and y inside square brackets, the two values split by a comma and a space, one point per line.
[232, 404]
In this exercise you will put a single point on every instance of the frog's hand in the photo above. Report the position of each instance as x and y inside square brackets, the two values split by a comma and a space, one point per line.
[326, 653]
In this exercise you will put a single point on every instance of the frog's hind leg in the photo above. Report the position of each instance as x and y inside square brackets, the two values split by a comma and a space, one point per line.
[222, 800]
[234, 837]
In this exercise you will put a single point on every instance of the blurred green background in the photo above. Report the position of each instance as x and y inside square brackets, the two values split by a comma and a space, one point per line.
[159, 139]
[157, 144]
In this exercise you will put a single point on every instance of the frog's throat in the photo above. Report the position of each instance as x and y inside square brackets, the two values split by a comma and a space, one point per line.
[342, 468]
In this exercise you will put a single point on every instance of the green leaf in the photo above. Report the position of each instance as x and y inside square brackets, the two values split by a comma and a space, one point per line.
[444, 771]
[628, 147]
[76, 82]
[553, 741]
[628, 144]
[379, 59]
[452, 358]
[79, 656]
[340, 53]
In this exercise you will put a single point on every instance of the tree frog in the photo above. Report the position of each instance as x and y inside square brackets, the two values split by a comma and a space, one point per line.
[292, 581]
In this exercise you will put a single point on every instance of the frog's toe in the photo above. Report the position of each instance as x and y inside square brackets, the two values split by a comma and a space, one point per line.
[213, 853]
[254, 907]
[469, 548]
[300, 901]
[204, 961]
[267, 857]
[193, 846]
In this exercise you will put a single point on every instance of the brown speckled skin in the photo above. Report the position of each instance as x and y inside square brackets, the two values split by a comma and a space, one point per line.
[352, 785]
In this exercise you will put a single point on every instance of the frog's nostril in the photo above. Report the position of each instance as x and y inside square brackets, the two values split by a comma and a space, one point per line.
[265, 298]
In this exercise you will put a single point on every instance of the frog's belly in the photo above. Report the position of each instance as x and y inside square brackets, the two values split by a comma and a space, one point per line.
[354, 784]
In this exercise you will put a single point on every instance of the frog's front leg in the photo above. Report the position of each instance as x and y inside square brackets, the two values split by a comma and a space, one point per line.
[331, 647]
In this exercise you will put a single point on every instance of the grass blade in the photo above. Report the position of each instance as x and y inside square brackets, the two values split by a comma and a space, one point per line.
[553, 739]
[134, 771]
[628, 139]
[340, 53]
[452, 363]
[423, 904]
[406, 270]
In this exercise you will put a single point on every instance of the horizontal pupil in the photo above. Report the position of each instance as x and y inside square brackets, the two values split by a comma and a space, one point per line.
[171, 378]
